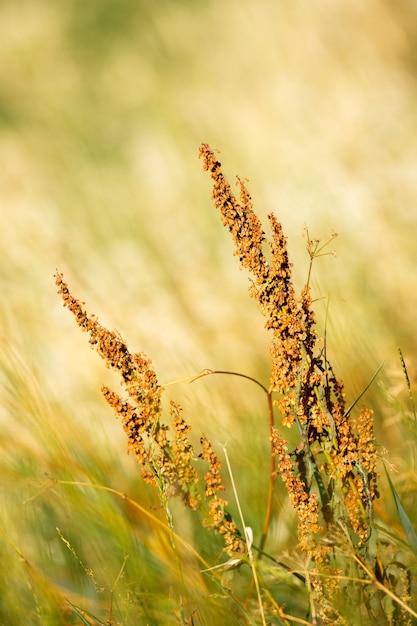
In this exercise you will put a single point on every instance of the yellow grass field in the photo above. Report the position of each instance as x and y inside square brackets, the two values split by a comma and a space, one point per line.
[103, 107]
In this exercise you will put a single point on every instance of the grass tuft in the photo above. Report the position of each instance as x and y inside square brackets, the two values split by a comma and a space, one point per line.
[343, 567]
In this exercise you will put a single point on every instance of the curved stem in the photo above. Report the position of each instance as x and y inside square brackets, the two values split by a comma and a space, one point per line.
[207, 372]
[272, 476]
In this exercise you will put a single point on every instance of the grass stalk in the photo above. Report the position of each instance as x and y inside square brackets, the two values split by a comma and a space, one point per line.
[248, 537]
[329, 469]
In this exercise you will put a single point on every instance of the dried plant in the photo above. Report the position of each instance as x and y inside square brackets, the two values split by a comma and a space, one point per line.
[330, 474]
[168, 464]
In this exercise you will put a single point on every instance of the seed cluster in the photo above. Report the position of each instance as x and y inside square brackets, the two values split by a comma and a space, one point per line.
[330, 476]
[166, 463]
[163, 461]
[218, 518]
[334, 453]
[272, 284]
[306, 505]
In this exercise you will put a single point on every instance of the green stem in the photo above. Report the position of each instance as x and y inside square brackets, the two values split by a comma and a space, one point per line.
[272, 477]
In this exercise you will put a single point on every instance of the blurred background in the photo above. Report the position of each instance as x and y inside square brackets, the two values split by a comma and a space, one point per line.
[103, 106]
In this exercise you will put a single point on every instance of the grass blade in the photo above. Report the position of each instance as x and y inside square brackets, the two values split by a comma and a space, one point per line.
[405, 520]
[347, 412]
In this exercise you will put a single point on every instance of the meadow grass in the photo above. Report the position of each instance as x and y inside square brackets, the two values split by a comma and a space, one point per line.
[183, 549]
[100, 112]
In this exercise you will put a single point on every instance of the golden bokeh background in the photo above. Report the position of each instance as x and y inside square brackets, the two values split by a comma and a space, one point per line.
[103, 106]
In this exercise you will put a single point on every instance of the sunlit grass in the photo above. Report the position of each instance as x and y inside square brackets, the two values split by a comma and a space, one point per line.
[340, 545]
[100, 115]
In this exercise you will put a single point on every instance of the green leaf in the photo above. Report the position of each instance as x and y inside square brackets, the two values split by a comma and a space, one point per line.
[82, 614]
[346, 413]
[405, 520]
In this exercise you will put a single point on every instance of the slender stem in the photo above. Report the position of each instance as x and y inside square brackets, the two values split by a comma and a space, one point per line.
[346, 413]
[155, 520]
[309, 270]
[248, 539]
[272, 477]
[207, 372]
[375, 582]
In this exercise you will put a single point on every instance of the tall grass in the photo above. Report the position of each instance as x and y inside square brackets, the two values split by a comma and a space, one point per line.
[101, 107]
[342, 566]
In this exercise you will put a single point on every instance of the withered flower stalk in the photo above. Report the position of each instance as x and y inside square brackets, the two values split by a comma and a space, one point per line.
[335, 461]
[330, 475]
